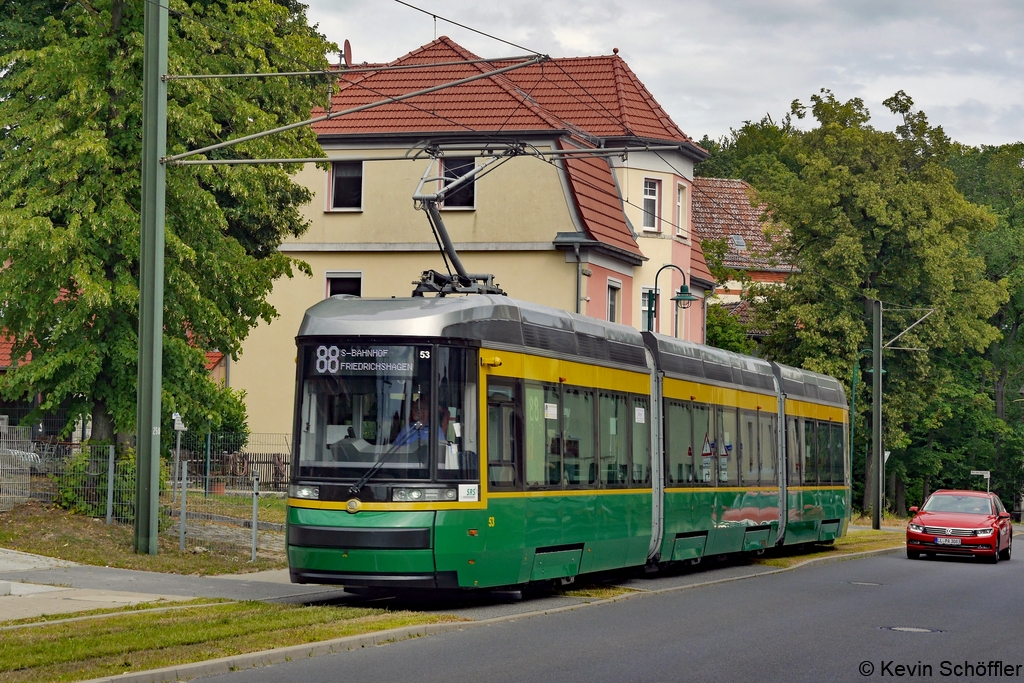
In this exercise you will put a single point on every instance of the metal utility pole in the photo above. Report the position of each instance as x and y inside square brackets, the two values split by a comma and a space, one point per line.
[876, 417]
[151, 277]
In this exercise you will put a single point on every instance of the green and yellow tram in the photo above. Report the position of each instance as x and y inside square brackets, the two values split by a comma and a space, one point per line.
[482, 441]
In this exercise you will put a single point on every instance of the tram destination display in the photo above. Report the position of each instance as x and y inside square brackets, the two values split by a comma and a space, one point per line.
[363, 360]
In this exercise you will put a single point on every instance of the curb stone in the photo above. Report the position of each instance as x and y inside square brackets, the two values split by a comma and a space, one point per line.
[253, 660]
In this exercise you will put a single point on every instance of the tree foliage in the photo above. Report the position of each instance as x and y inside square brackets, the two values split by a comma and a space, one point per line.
[871, 214]
[726, 331]
[70, 150]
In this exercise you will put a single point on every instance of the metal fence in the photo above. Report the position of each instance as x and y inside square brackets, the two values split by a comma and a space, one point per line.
[222, 496]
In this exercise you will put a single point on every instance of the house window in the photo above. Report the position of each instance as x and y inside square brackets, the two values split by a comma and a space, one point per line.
[344, 283]
[614, 290]
[465, 196]
[651, 191]
[347, 185]
[646, 308]
[681, 217]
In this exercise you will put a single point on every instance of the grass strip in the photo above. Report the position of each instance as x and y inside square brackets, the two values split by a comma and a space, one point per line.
[852, 542]
[148, 607]
[136, 642]
[42, 530]
[597, 592]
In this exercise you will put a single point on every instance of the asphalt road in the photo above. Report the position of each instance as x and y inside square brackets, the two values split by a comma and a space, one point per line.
[823, 623]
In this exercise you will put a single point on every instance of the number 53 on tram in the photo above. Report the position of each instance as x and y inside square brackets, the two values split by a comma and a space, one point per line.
[482, 441]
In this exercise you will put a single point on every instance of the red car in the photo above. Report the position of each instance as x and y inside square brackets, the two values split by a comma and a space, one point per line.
[960, 523]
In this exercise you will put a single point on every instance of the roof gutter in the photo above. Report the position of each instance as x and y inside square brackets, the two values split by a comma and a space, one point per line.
[564, 241]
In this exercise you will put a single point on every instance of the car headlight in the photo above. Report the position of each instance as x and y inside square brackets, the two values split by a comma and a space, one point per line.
[916, 527]
[412, 495]
[306, 492]
[987, 531]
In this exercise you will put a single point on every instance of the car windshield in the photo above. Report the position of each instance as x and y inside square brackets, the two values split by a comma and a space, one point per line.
[369, 406]
[971, 505]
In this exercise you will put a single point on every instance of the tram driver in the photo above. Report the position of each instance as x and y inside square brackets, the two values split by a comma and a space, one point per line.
[417, 430]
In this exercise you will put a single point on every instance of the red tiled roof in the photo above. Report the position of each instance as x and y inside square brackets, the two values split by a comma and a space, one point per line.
[594, 96]
[721, 209]
[597, 201]
[488, 104]
[5, 352]
[213, 358]
[698, 266]
[600, 95]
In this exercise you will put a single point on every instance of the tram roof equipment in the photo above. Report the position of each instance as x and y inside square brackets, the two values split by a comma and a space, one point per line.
[482, 317]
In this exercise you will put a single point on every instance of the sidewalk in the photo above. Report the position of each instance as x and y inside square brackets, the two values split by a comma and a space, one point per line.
[32, 585]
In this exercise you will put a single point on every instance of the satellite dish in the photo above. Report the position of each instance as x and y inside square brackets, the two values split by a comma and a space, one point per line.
[347, 54]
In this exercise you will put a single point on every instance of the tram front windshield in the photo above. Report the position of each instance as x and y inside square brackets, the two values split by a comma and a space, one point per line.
[409, 410]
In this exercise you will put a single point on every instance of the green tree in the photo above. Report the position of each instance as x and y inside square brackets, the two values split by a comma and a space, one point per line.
[994, 177]
[726, 331]
[869, 214]
[70, 149]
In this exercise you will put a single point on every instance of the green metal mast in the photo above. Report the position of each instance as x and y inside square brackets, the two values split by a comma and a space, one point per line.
[878, 495]
[151, 277]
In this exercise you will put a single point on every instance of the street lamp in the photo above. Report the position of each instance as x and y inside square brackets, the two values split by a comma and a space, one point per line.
[683, 298]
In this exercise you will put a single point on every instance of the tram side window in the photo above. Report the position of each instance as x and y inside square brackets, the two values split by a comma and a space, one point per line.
[793, 451]
[504, 435]
[703, 443]
[749, 465]
[823, 452]
[457, 457]
[613, 462]
[578, 459]
[807, 438]
[641, 442]
[767, 428]
[838, 459]
[679, 445]
[728, 470]
[543, 436]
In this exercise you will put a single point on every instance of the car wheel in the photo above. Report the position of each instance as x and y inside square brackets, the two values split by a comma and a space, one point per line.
[993, 558]
[1005, 554]
[913, 554]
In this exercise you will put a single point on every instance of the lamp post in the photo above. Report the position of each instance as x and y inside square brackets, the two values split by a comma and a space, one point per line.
[682, 298]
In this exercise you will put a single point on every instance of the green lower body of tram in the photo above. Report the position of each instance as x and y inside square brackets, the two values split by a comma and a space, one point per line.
[515, 541]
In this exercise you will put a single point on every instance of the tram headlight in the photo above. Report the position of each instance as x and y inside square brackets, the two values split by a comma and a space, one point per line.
[424, 494]
[306, 492]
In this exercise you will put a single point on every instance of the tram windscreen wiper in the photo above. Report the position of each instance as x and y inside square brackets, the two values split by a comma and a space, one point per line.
[354, 489]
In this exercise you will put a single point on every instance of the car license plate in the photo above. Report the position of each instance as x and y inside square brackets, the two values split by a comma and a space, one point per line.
[947, 541]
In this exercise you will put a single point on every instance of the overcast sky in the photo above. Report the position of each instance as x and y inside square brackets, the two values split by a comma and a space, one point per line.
[714, 63]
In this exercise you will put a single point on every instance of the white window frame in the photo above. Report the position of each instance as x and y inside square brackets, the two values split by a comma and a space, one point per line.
[682, 212]
[339, 274]
[611, 314]
[656, 215]
[472, 183]
[331, 208]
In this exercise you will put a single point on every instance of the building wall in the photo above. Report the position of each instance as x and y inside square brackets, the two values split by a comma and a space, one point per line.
[596, 288]
[667, 242]
[521, 201]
